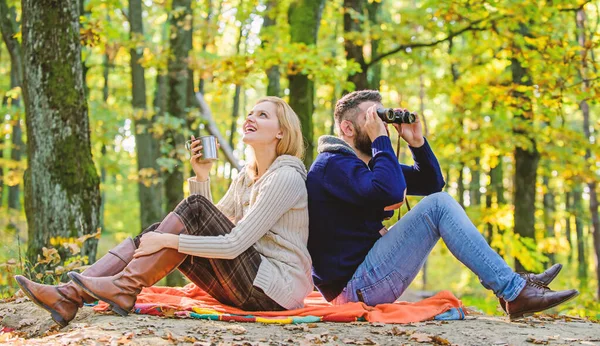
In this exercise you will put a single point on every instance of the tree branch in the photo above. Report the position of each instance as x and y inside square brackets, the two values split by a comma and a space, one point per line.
[470, 27]
[575, 9]
[214, 130]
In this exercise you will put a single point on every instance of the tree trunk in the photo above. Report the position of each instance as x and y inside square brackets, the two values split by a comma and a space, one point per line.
[177, 95]
[549, 214]
[568, 230]
[235, 111]
[353, 9]
[475, 185]
[585, 109]
[461, 185]
[62, 196]
[374, 72]
[304, 18]
[9, 27]
[579, 212]
[273, 74]
[526, 159]
[147, 147]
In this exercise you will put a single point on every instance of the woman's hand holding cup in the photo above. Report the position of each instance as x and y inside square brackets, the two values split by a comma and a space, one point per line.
[200, 166]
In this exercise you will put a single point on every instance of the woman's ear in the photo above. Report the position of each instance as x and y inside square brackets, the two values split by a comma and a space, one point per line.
[347, 128]
[279, 135]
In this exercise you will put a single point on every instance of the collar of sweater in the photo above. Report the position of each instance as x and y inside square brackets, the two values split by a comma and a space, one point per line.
[334, 144]
[280, 162]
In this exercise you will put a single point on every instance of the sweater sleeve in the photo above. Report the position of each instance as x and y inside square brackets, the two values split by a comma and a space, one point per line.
[350, 179]
[277, 195]
[425, 176]
[200, 188]
[226, 205]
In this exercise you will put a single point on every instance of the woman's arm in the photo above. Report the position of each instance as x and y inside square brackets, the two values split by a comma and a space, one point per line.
[277, 195]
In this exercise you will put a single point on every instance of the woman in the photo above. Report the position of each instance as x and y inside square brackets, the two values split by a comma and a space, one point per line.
[248, 251]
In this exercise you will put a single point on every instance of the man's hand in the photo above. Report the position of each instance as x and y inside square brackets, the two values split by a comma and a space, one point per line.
[374, 126]
[411, 133]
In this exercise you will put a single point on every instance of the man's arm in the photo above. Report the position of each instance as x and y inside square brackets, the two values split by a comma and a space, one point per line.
[425, 176]
[349, 179]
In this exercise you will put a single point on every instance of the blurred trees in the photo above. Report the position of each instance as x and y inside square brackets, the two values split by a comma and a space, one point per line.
[508, 91]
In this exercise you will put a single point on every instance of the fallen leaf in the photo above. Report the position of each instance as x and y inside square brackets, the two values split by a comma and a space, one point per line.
[438, 340]
[369, 342]
[421, 337]
[537, 341]
[312, 325]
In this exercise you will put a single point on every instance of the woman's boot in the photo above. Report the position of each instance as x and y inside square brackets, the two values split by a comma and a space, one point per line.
[121, 290]
[63, 301]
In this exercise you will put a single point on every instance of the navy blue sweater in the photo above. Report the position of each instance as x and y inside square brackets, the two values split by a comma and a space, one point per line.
[346, 201]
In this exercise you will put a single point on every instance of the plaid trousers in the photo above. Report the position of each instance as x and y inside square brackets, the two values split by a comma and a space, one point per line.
[228, 281]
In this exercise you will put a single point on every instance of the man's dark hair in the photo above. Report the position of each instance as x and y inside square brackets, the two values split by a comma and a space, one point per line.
[346, 108]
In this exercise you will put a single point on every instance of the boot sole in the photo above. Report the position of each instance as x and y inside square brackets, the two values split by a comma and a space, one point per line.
[530, 313]
[114, 307]
[55, 315]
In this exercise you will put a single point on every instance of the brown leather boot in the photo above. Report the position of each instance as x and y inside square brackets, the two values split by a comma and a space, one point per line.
[121, 290]
[544, 278]
[535, 298]
[63, 301]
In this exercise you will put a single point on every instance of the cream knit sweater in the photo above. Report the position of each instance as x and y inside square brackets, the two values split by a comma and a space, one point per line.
[270, 214]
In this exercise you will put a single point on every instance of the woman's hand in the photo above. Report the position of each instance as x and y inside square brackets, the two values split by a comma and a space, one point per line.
[201, 167]
[152, 242]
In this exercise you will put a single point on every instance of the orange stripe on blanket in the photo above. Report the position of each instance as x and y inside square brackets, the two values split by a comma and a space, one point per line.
[192, 298]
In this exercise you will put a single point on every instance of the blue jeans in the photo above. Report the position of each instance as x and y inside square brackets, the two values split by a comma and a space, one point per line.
[396, 258]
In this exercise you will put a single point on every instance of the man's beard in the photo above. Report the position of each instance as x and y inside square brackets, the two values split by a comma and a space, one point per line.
[362, 141]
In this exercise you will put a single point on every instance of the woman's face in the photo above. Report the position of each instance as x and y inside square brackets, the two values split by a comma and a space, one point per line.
[261, 127]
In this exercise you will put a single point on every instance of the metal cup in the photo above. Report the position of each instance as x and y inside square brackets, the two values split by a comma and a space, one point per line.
[209, 148]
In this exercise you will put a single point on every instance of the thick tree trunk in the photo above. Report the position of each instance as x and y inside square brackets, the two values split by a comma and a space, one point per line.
[304, 17]
[580, 18]
[62, 196]
[273, 74]
[147, 147]
[177, 96]
[374, 72]
[353, 48]
[9, 27]
[526, 159]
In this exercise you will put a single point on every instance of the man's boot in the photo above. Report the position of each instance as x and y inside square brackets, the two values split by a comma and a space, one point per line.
[121, 290]
[63, 301]
[544, 278]
[535, 298]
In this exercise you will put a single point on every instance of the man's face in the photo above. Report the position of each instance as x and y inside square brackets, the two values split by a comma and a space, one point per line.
[362, 142]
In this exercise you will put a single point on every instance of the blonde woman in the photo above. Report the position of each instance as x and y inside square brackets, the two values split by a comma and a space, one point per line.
[248, 251]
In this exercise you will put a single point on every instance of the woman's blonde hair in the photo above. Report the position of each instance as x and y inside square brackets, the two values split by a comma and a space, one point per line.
[292, 142]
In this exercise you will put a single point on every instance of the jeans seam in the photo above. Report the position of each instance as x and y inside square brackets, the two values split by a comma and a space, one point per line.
[470, 242]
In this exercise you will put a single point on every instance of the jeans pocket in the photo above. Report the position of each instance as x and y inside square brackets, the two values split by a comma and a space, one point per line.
[384, 291]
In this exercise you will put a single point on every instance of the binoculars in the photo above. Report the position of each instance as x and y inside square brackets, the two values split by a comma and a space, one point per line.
[392, 116]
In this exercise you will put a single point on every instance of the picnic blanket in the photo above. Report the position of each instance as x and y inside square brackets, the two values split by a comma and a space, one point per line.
[192, 302]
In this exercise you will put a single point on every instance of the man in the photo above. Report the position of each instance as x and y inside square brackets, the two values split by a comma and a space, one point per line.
[356, 182]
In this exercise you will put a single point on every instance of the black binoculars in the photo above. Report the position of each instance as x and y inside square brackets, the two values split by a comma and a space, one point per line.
[392, 116]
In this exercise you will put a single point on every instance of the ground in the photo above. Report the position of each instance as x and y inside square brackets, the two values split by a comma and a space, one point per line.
[33, 326]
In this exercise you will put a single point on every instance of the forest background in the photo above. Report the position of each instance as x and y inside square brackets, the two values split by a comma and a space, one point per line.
[98, 97]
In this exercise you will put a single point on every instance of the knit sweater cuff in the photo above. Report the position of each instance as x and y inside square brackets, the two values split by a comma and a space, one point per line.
[422, 153]
[382, 143]
[200, 188]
